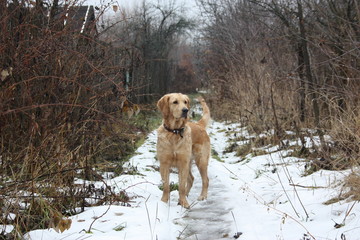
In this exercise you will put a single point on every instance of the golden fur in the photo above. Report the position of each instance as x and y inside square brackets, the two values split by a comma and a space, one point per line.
[180, 141]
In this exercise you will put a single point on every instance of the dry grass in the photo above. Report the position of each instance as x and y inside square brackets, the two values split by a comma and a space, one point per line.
[353, 183]
[342, 149]
[345, 132]
[350, 190]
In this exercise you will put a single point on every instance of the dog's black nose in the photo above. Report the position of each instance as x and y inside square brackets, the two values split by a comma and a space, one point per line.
[184, 112]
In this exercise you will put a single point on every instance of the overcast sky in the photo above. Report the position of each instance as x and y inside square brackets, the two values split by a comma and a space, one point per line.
[190, 5]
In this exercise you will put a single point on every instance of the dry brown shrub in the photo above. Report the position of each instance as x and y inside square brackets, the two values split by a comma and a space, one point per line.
[353, 183]
[62, 116]
[345, 133]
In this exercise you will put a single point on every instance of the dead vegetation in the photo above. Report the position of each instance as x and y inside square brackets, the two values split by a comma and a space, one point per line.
[353, 185]
[65, 117]
[285, 66]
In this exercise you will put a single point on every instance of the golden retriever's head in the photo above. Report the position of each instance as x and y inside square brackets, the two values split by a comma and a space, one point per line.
[174, 105]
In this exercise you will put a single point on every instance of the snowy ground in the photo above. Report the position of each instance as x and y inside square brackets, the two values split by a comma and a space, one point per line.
[263, 197]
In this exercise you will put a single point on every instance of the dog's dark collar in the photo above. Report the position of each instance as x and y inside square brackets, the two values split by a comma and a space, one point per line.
[179, 131]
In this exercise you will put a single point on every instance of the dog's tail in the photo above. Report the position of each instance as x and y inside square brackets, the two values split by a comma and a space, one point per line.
[204, 121]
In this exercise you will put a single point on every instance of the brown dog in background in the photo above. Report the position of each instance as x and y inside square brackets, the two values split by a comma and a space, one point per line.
[179, 142]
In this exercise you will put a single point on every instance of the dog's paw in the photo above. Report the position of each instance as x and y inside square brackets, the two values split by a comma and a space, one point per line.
[201, 198]
[184, 204]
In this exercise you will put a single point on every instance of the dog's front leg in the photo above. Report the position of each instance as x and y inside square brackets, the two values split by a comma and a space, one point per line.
[165, 171]
[183, 180]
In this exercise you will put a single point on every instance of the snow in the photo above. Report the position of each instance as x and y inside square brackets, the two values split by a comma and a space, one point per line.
[262, 197]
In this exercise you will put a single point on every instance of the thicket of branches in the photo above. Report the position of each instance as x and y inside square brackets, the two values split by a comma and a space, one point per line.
[154, 36]
[287, 64]
[68, 85]
[64, 108]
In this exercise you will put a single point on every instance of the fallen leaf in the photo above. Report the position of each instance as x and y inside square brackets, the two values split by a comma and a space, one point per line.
[64, 224]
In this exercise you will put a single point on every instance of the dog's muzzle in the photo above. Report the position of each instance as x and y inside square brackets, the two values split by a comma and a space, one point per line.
[184, 112]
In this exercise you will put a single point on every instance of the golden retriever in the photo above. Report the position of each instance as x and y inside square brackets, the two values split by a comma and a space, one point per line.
[179, 141]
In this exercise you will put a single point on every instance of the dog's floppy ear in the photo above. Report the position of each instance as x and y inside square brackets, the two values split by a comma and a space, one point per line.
[188, 102]
[163, 105]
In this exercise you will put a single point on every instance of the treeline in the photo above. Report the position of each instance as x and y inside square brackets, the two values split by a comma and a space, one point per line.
[287, 65]
[70, 87]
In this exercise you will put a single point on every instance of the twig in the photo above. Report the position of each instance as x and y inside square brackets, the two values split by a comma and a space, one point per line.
[182, 231]
[138, 184]
[257, 197]
[156, 217]
[99, 218]
[148, 215]
[35, 106]
[17, 183]
[282, 186]
[311, 187]
[237, 230]
[230, 171]
[348, 212]
[287, 173]
[193, 204]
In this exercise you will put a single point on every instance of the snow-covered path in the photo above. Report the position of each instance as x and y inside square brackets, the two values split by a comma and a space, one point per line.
[253, 197]
[209, 217]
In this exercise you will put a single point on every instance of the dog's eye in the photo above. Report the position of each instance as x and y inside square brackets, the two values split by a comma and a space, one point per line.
[175, 102]
[185, 102]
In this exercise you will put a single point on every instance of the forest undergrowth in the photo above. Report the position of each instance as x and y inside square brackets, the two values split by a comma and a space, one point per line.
[339, 151]
[287, 66]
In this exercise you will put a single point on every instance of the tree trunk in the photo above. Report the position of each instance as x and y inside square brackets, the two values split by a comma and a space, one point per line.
[311, 80]
[301, 74]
